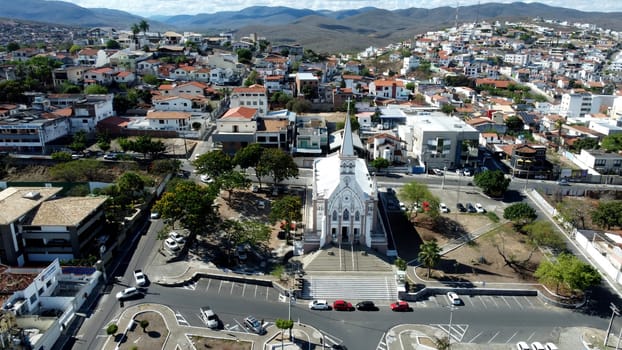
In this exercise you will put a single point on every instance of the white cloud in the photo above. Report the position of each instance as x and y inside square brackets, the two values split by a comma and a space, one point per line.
[148, 8]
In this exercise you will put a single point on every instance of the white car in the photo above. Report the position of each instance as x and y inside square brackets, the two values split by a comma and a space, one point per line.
[171, 244]
[209, 317]
[319, 305]
[205, 178]
[128, 293]
[521, 345]
[177, 237]
[140, 278]
[537, 346]
[454, 298]
[443, 208]
[480, 208]
[467, 172]
[154, 215]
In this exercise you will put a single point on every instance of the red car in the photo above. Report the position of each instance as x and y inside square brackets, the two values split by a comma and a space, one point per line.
[342, 305]
[400, 306]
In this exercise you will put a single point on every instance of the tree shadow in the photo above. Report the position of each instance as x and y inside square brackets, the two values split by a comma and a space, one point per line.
[154, 334]
[120, 338]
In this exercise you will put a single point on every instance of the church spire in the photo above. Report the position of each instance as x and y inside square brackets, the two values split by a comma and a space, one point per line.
[347, 147]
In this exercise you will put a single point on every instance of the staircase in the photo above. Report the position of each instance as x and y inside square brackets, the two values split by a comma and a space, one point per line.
[350, 286]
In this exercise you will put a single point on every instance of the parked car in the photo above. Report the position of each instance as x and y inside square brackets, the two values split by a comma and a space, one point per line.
[128, 293]
[171, 244]
[479, 208]
[254, 325]
[400, 306]
[206, 179]
[467, 172]
[154, 215]
[454, 298]
[366, 305]
[261, 204]
[550, 346]
[521, 345]
[319, 305]
[140, 278]
[563, 182]
[177, 237]
[438, 172]
[461, 208]
[209, 317]
[471, 208]
[443, 208]
[255, 188]
[342, 305]
[537, 346]
[110, 156]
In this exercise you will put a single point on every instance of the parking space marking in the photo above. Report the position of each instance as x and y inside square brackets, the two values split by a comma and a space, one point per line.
[457, 331]
[475, 337]
[256, 287]
[494, 301]
[192, 285]
[481, 300]
[436, 301]
[220, 286]
[381, 344]
[518, 303]
[209, 282]
[493, 338]
[506, 302]
[232, 285]
[181, 320]
[470, 300]
[531, 336]
[243, 289]
[512, 337]
[267, 292]
[528, 301]
[241, 326]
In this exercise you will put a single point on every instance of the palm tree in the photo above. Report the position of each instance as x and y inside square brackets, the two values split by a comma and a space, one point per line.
[144, 26]
[135, 31]
[429, 255]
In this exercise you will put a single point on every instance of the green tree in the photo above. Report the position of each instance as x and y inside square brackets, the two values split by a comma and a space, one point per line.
[165, 166]
[380, 163]
[112, 329]
[493, 183]
[584, 143]
[12, 46]
[416, 194]
[78, 143]
[144, 26]
[135, 30]
[277, 164]
[74, 49]
[189, 203]
[150, 79]
[542, 234]
[612, 143]
[214, 163]
[429, 255]
[448, 108]
[132, 184]
[83, 170]
[289, 209]
[112, 45]
[410, 86]
[400, 264]
[248, 157]
[520, 214]
[252, 78]
[61, 156]
[299, 105]
[514, 124]
[567, 270]
[244, 56]
[144, 324]
[283, 325]
[607, 214]
[96, 90]
[232, 180]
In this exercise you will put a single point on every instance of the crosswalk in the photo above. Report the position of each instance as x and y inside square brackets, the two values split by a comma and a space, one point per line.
[381, 287]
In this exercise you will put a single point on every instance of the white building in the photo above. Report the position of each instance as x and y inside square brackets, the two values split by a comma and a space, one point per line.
[579, 104]
[345, 201]
[168, 120]
[90, 111]
[254, 96]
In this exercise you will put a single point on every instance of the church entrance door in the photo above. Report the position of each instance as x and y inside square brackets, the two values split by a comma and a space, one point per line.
[344, 234]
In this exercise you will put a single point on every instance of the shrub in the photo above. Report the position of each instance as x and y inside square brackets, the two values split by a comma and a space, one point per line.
[112, 329]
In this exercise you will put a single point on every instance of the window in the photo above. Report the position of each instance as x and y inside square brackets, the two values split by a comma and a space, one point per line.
[600, 162]
[33, 298]
[235, 128]
[357, 216]
[335, 215]
[617, 162]
[40, 291]
[346, 215]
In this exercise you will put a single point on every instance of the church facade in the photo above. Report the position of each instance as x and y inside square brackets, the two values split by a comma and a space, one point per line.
[344, 202]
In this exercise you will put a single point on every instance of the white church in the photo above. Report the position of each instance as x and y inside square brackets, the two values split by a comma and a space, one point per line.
[344, 202]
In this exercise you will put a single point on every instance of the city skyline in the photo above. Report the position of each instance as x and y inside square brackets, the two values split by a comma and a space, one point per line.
[147, 8]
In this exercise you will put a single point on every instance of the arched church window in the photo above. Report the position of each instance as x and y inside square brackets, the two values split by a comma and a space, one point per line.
[357, 216]
[335, 215]
[346, 215]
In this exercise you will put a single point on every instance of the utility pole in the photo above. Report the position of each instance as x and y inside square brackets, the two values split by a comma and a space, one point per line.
[451, 316]
[614, 312]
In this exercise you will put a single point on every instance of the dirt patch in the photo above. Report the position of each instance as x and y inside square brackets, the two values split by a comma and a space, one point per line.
[221, 344]
[153, 337]
[449, 227]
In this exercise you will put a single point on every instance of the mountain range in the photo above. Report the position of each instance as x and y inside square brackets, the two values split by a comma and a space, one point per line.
[319, 30]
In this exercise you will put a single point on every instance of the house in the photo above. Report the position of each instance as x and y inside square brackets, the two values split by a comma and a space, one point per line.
[89, 111]
[101, 76]
[274, 83]
[236, 129]
[388, 89]
[32, 131]
[35, 316]
[181, 102]
[168, 120]
[387, 146]
[307, 85]
[273, 133]
[344, 211]
[87, 56]
[124, 77]
[600, 161]
[190, 88]
[528, 161]
[254, 96]
[311, 135]
[38, 226]
[72, 75]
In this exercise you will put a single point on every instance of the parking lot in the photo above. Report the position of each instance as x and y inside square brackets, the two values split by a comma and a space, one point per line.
[484, 302]
[234, 289]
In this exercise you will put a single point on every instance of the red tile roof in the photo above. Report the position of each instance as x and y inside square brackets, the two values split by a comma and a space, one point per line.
[240, 112]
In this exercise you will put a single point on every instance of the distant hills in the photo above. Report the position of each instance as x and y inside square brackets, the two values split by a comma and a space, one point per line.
[320, 30]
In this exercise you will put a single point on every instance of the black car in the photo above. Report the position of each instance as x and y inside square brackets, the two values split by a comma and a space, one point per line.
[461, 208]
[366, 306]
[471, 208]
[338, 347]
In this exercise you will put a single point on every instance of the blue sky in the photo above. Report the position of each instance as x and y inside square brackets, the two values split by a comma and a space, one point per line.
[148, 8]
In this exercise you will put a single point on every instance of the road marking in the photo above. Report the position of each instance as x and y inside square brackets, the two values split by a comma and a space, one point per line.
[518, 303]
[512, 337]
[241, 326]
[220, 286]
[381, 344]
[493, 337]
[470, 299]
[181, 320]
[528, 301]
[481, 300]
[256, 287]
[138, 339]
[508, 304]
[243, 289]
[267, 292]
[494, 301]
[475, 337]
[232, 285]
[531, 336]
[209, 282]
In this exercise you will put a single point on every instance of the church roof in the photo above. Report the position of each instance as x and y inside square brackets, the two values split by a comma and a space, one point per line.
[327, 176]
[347, 147]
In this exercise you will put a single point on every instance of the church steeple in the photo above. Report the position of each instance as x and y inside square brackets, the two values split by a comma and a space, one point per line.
[347, 147]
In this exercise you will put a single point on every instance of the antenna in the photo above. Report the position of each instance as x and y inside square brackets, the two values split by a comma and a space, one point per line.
[477, 12]
[457, 8]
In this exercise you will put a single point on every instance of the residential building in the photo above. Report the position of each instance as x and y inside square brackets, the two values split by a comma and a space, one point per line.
[254, 96]
[38, 226]
[32, 131]
[578, 104]
[311, 135]
[387, 146]
[528, 161]
[168, 120]
[181, 102]
[307, 85]
[90, 111]
[392, 89]
[71, 75]
[236, 129]
[345, 202]
[600, 161]
[189, 88]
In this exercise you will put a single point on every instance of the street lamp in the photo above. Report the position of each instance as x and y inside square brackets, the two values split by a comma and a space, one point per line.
[444, 171]
[451, 316]
[614, 312]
